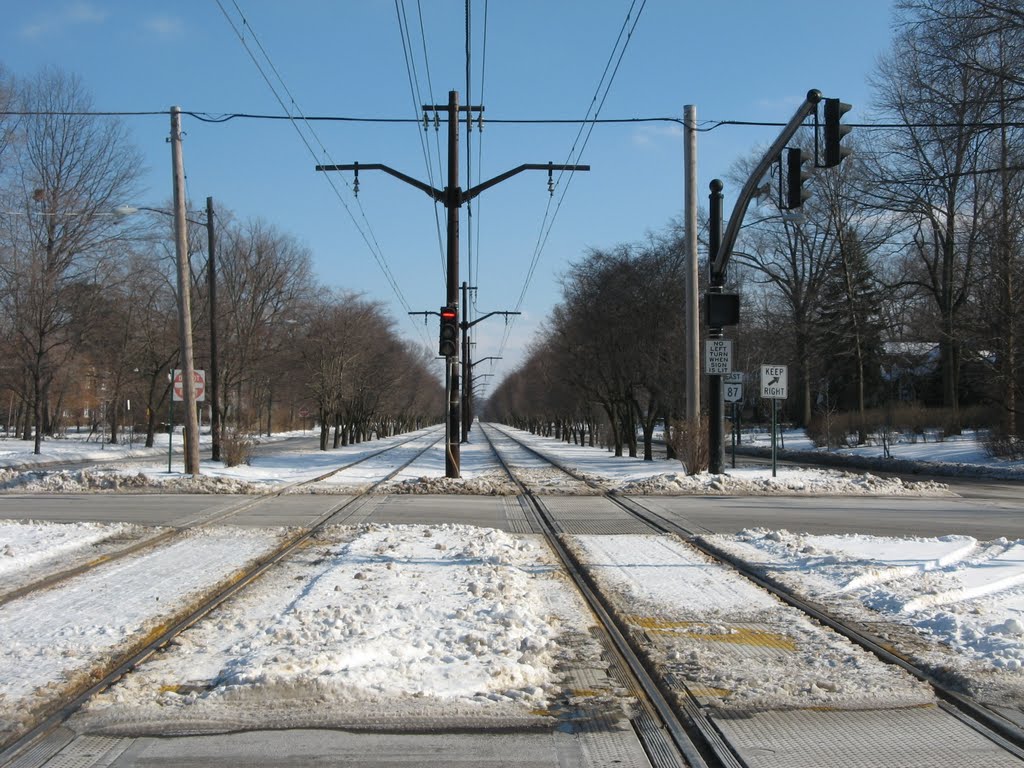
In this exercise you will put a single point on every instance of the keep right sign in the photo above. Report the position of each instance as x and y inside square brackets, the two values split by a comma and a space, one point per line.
[774, 381]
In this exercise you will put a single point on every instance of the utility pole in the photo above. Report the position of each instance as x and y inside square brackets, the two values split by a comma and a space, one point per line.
[452, 197]
[188, 383]
[211, 282]
[692, 267]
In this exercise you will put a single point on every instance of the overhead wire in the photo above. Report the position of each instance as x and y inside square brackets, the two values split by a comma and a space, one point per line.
[417, 102]
[480, 150]
[367, 234]
[599, 99]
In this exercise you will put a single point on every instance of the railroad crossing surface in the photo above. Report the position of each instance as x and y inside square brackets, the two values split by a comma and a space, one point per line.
[654, 652]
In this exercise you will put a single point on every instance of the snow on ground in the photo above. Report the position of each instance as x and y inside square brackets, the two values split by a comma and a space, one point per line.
[634, 475]
[372, 624]
[52, 641]
[481, 474]
[734, 643]
[26, 543]
[962, 599]
[951, 456]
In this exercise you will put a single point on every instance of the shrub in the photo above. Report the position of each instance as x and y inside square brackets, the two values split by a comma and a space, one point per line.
[1000, 445]
[690, 442]
[235, 448]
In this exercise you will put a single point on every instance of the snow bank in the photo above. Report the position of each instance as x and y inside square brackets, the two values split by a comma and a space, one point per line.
[954, 604]
[380, 622]
[759, 482]
[734, 643]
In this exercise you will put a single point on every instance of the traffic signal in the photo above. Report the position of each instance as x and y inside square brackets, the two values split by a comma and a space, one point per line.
[449, 332]
[796, 175]
[835, 131]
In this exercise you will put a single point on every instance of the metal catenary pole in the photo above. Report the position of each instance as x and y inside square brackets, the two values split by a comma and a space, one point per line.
[452, 197]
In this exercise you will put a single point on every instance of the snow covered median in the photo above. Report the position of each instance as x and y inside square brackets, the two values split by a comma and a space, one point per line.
[430, 625]
[734, 644]
[952, 602]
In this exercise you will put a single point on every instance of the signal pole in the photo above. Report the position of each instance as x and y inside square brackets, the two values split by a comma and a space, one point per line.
[467, 364]
[452, 197]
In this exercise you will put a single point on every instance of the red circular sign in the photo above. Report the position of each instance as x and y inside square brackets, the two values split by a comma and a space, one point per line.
[179, 384]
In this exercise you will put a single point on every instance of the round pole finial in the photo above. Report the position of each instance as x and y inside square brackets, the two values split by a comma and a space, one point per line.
[814, 96]
[716, 185]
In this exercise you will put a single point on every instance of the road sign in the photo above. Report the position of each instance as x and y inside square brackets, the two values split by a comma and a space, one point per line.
[717, 356]
[774, 381]
[733, 392]
[304, 413]
[198, 376]
[736, 377]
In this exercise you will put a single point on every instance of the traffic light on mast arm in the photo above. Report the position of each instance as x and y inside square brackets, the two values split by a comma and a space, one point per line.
[449, 332]
[796, 176]
[835, 131]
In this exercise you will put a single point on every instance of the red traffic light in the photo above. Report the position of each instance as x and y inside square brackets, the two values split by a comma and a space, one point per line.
[448, 313]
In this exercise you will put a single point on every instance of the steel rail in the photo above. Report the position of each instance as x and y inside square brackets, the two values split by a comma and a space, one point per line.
[135, 547]
[61, 710]
[714, 749]
[992, 725]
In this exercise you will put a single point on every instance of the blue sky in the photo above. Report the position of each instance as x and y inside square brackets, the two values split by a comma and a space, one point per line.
[740, 60]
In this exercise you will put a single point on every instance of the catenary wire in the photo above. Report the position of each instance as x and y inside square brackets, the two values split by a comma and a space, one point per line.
[368, 238]
[417, 101]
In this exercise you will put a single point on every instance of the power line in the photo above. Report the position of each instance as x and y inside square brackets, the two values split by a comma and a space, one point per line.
[367, 235]
[709, 125]
[417, 100]
[549, 217]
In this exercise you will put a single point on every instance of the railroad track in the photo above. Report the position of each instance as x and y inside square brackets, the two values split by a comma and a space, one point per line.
[994, 726]
[49, 716]
[665, 735]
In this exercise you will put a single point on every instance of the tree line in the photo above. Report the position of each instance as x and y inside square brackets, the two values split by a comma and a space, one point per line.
[899, 281]
[88, 304]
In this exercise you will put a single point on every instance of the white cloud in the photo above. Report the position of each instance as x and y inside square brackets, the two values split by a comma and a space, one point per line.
[72, 14]
[165, 27]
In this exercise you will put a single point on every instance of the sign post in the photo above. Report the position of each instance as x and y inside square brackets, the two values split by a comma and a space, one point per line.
[774, 386]
[733, 393]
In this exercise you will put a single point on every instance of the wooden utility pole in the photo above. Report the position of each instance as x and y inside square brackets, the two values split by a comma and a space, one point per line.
[692, 268]
[188, 383]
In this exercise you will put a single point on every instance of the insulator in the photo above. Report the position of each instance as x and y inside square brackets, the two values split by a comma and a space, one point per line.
[437, 121]
[480, 122]
[426, 121]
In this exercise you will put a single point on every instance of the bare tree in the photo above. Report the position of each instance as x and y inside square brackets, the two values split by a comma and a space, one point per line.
[71, 170]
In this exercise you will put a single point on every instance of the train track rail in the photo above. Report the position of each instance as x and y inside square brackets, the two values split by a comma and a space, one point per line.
[993, 725]
[220, 516]
[55, 712]
[657, 718]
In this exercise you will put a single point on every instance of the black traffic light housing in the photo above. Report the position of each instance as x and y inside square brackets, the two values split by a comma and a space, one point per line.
[835, 131]
[721, 309]
[449, 341]
[796, 176]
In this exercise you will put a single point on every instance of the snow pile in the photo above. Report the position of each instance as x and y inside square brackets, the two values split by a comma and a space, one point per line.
[735, 644]
[114, 480]
[759, 482]
[25, 544]
[404, 620]
[486, 484]
[55, 641]
[961, 600]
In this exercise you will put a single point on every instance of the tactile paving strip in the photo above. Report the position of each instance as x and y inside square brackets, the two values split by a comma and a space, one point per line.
[922, 737]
